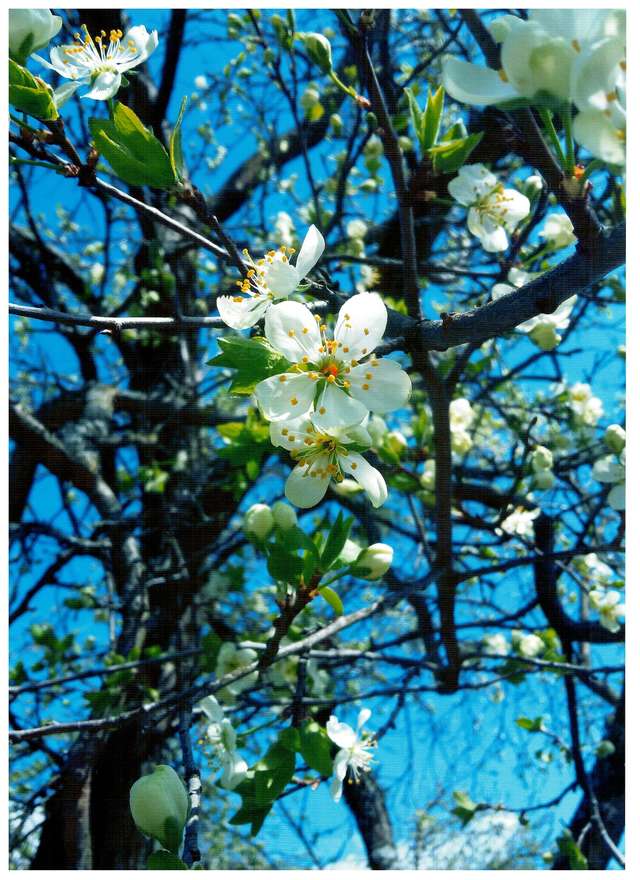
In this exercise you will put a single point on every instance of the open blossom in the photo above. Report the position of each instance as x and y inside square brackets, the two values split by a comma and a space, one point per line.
[355, 750]
[600, 94]
[612, 469]
[587, 409]
[496, 643]
[231, 659]
[461, 415]
[527, 644]
[100, 63]
[593, 568]
[547, 54]
[327, 379]
[494, 210]
[557, 231]
[519, 522]
[270, 279]
[542, 329]
[609, 608]
[323, 455]
[222, 737]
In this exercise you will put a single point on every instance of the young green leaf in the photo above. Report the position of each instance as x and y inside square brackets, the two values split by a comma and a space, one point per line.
[336, 540]
[29, 94]
[333, 599]
[431, 119]
[175, 145]
[163, 860]
[315, 748]
[254, 359]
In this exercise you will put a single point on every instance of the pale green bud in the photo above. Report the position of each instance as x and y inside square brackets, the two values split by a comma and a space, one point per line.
[310, 98]
[335, 121]
[405, 143]
[544, 480]
[428, 475]
[616, 438]
[356, 229]
[377, 428]
[258, 521]
[396, 442]
[377, 558]
[544, 336]
[30, 30]
[284, 515]
[605, 748]
[542, 459]
[159, 805]
[319, 51]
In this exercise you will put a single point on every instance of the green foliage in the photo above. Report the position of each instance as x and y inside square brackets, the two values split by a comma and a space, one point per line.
[133, 151]
[336, 539]
[452, 153]
[248, 443]
[30, 94]
[315, 748]
[254, 360]
[533, 725]
[210, 644]
[465, 808]
[175, 146]
[163, 860]
[426, 123]
[332, 598]
[570, 849]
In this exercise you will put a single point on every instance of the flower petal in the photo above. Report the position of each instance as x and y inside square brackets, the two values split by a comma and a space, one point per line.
[363, 717]
[105, 86]
[341, 734]
[285, 396]
[212, 709]
[595, 74]
[607, 470]
[336, 789]
[290, 434]
[616, 497]
[235, 770]
[310, 252]
[281, 278]
[381, 385]
[242, 312]
[360, 327]
[371, 480]
[145, 44]
[292, 330]
[475, 84]
[307, 484]
[598, 134]
[336, 409]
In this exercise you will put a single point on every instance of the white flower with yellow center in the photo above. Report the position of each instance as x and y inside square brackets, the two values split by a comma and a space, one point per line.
[99, 62]
[222, 737]
[327, 380]
[355, 750]
[494, 211]
[541, 330]
[268, 280]
[326, 455]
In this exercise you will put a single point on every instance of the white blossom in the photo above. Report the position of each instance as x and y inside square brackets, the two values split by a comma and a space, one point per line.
[355, 750]
[496, 643]
[201, 82]
[609, 608]
[323, 455]
[356, 229]
[270, 279]
[222, 737]
[542, 329]
[327, 379]
[428, 475]
[494, 211]
[557, 231]
[96, 62]
[519, 522]
[31, 30]
[612, 469]
[377, 558]
[230, 659]
[527, 645]
[587, 408]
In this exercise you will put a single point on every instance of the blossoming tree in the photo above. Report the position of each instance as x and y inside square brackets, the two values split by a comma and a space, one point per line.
[317, 442]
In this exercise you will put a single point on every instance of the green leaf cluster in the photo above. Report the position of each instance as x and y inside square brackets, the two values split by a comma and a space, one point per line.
[133, 151]
[247, 443]
[253, 359]
[29, 94]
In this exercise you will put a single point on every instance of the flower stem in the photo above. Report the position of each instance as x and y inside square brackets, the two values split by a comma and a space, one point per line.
[568, 138]
[547, 121]
[17, 161]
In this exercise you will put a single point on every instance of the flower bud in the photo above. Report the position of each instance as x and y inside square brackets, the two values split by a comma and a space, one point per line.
[544, 335]
[284, 515]
[428, 475]
[616, 438]
[542, 459]
[347, 488]
[310, 97]
[396, 442]
[544, 480]
[319, 51]
[258, 521]
[377, 428]
[30, 30]
[533, 184]
[159, 805]
[350, 551]
[558, 231]
[335, 121]
[377, 558]
[356, 229]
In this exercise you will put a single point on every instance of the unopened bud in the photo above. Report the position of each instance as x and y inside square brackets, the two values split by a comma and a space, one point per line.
[319, 51]
[258, 521]
[616, 438]
[377, 558]
[542, 459]
[284, 515]
[159, 805]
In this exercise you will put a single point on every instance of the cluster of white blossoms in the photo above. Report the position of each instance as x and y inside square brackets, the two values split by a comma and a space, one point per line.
[222, 737]
[319, 407]
[576, 56]
[231, 659]
[543, 329]
[609, 608]
[269, 279]
[519, 522]
[99, 61]
[355, 750]
[461, 416]
[494, 211]
[587, 409]
[527, 644]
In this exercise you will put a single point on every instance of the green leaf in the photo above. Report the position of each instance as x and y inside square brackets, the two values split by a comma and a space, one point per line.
[132, 150]
[466, 808]
[431, 119]
[533, 725]
[163, 860]
[315, 748]
[416, 114]
[570, 849]
[336, 539]
[273, 773]
[210, 644]
[333, 599]
[29, 94]
[254, 359]
[283, 565]
[295, 538]
[449, 157]
[175, 145]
